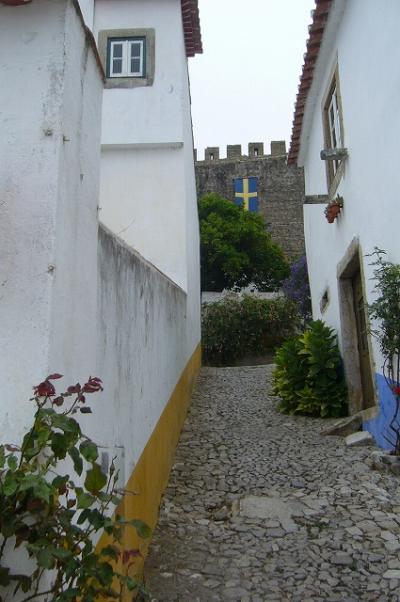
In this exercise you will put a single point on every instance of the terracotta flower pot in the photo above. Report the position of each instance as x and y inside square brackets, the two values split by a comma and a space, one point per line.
[332, 212]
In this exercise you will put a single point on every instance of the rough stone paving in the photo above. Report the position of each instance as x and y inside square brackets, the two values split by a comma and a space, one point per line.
[314, 521]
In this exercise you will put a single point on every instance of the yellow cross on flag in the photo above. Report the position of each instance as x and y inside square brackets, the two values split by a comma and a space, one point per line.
[246, 194]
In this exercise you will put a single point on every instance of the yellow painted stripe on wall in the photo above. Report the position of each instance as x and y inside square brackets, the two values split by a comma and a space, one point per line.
[150, 476]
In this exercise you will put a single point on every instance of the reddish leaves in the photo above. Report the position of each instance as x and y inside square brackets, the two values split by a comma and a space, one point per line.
[47, 389]
[93, 385]
[44, 389]
[74, 388]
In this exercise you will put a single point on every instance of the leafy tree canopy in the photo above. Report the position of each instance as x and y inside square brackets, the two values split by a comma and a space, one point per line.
[236, 249]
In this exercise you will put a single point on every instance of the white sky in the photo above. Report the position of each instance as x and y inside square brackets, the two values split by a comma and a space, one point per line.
[244, 85]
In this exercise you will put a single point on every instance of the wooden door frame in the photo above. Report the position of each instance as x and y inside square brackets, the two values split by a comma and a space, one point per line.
[350, 264]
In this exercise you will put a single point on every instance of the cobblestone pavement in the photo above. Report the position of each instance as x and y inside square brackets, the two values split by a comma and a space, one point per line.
[327, 527]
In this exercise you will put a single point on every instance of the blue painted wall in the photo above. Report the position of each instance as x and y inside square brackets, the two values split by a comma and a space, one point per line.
[378, 427]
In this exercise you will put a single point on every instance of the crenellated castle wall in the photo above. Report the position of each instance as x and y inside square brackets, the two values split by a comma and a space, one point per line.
[280, 187]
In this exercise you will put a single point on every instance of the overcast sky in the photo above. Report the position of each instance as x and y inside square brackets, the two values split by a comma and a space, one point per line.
[244, 85]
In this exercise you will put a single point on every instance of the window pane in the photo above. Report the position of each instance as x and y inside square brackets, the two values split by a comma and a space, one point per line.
[338, 132]
[117, 51]
[335, 98]
[136, 49]
[135, 66]
[117, 66]
[126, 57]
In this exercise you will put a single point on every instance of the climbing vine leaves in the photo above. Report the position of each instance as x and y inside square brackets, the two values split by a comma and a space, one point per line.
[385, 311]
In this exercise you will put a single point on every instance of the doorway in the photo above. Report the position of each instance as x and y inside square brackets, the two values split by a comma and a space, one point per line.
[360, 315]
[356, 348]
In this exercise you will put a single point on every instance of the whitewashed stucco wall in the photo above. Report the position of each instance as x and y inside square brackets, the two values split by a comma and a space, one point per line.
[141, 346]
[143, 201]
[148, 200]
[74, 301]
[87, 8]
[362, 37]
[155, 113]
[50, 110]
[147, 182]
[192, 231]
[368, 53]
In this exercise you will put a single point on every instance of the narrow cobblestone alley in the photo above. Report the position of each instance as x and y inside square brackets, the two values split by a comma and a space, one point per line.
[327, 526]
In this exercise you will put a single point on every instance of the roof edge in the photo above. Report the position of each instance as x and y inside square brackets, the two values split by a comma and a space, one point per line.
[191, 27]
[316, 30]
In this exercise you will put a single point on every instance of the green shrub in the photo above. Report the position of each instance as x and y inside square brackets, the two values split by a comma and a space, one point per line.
[234, 327]
[235, 248]
[309, 376]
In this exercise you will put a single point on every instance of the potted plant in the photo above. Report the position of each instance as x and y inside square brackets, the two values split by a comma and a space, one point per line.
[333, 209]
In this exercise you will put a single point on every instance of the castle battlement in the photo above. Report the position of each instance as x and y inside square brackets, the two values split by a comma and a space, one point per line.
[279, 187]
[234, 151]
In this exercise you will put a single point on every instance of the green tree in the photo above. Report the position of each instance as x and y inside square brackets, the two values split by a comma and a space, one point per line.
[236, 249]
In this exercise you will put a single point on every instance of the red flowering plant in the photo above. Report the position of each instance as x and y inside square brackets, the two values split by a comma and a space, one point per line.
[385, 311]
[54, 517]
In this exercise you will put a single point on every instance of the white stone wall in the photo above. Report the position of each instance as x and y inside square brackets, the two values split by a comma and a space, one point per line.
[362, 37]
[192, 229]
[371, 183]
[148, 201]
[148, 192]
[87, 8]
[149, 114]
[142, 200]
[74, 300]
[50, 111]
[141, 347]
[49, 152]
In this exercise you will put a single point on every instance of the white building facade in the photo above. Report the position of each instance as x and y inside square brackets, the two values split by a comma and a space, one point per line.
[348, 104]
[49, 186]
[147, 123]
[148, 206]
[100, 271]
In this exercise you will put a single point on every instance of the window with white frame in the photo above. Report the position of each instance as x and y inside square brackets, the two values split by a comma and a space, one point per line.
[126, 57]
[333, 125]
[335, 136]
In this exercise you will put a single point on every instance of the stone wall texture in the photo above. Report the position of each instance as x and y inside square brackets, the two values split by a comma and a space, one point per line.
[280, 188]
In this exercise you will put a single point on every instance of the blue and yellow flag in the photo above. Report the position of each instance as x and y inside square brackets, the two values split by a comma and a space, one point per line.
[246, 194]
